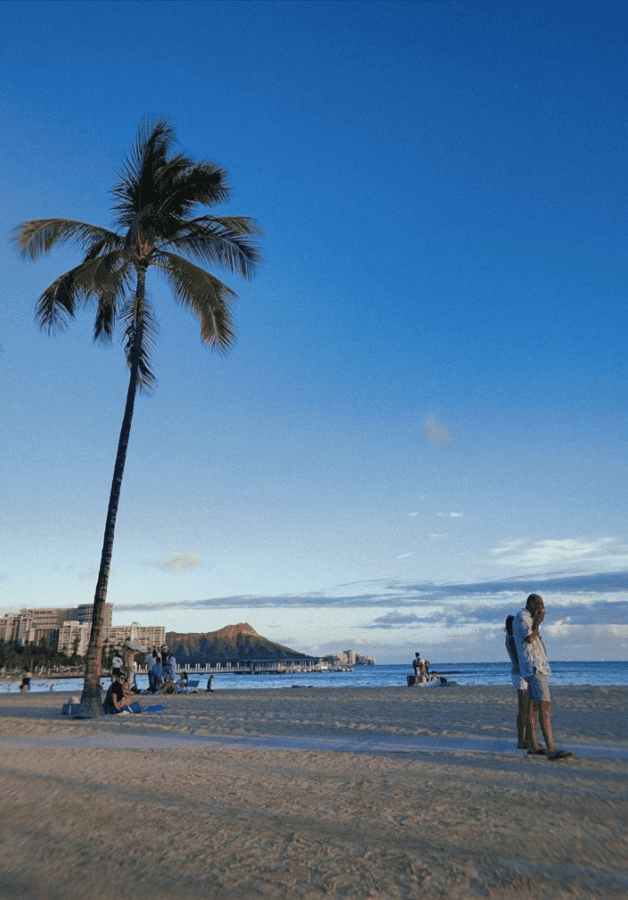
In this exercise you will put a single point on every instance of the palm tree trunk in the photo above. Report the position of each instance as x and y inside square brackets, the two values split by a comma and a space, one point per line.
[91, 698]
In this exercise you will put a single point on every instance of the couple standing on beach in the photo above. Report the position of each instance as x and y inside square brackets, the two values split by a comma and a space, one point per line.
[530, 672]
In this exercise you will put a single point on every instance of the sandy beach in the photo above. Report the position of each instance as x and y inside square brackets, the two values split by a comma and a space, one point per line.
[367, 794]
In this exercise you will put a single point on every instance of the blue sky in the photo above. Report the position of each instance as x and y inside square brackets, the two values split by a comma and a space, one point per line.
[424, 416]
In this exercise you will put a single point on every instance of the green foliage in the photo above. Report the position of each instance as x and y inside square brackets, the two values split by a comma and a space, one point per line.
[156, 197]
[15, 656]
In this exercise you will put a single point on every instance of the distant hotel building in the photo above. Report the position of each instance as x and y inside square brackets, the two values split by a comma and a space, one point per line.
[69, 629]
[349, 658]
[31, 625]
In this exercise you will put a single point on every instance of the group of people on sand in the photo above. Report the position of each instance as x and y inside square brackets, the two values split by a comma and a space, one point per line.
[120, 698]
[530, 673]
[123, 662]
[161, 670]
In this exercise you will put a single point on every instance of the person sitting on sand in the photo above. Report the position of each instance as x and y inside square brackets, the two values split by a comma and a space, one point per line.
[534, 668]
[116, 701]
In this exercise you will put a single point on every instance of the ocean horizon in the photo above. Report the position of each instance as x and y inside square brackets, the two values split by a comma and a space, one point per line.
[584, 673]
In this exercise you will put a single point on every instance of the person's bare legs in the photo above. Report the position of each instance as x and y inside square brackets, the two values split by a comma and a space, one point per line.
[533, 719]
[523, 727]
[546, 725]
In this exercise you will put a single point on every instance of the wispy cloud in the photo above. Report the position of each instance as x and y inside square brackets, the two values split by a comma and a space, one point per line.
[524, 553]
[179, 562]
[450, 603]
[405, 555]
[438, 433]
[455, 515]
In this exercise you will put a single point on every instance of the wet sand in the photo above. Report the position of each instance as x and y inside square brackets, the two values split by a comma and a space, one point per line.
[233, 809]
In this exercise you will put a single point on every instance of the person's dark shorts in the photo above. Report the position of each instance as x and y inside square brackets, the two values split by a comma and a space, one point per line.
[538, 688]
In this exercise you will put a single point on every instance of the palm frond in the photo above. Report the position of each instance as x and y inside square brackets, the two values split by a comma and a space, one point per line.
[41, 235]
[205, 183]
[136, 188]
[110, 297]
[95, 278]
[208, 298]
[132, 318]
[217, 240]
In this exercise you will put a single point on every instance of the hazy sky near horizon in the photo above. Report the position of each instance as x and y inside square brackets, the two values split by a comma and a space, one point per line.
[424, 416]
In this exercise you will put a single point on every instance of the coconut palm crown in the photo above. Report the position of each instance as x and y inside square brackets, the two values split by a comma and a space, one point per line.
[155, 202]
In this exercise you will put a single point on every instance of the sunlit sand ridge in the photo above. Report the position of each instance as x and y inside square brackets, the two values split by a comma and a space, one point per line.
[180, 815]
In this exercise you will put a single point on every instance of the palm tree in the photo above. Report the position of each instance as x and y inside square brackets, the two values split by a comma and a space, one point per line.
[155, 201]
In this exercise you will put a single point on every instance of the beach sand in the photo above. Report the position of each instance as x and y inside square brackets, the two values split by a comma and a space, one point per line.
[231, 810]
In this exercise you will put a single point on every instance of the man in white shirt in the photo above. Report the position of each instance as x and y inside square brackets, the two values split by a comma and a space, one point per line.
[534, 668]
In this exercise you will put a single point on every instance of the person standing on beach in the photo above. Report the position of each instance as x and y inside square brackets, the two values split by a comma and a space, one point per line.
[128, 656]
[523, 729]
[116, 665]
[534, 668]
[150, 665]
[169, 663]
[158, 675]
[26, 679]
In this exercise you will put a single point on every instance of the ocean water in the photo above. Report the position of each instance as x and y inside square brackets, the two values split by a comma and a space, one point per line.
[596, 674]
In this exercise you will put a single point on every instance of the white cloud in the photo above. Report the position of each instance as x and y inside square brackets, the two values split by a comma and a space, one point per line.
[522, 552]
[179, 562]
[437, 432]
[405, 555]
[455, 515]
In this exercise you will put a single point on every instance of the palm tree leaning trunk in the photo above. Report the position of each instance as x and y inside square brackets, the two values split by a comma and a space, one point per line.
[156, 196]
[91, 699]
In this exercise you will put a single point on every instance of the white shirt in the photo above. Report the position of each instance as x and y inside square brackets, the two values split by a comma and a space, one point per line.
[531, 655]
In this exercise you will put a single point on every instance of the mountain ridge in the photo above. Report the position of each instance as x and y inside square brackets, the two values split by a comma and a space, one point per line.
[231, 643]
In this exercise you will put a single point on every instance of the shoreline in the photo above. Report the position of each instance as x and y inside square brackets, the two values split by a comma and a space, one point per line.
[250, 794]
